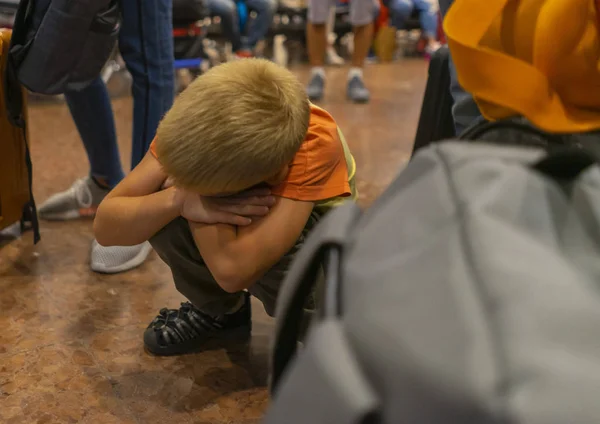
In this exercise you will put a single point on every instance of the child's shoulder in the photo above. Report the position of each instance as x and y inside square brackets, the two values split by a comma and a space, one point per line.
[319, 169]
[323, 133]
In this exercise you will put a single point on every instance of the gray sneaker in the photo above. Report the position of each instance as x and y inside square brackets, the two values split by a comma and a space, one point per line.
[316, 87]
[81, 200]
[115, 259]
[357, 92]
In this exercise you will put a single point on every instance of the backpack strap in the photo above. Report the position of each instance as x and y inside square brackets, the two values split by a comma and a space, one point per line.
[326, 243]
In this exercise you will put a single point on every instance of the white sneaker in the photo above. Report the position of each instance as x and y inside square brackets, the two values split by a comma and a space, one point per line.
[81, 200]
[115, 259]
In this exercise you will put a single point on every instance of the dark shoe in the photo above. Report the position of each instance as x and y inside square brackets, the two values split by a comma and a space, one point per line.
[189, 330]
[357, 92]
[316, 87]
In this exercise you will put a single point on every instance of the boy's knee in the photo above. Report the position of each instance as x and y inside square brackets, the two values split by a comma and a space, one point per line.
[175, 238]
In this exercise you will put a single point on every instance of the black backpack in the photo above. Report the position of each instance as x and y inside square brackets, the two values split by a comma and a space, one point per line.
[61, 45]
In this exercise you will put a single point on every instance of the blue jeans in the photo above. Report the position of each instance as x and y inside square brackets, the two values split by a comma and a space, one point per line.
[146, 45]
[258, 28]
[400, 11]
[465, 110]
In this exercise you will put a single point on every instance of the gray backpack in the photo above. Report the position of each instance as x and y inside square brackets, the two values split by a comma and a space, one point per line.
[61, 45]
[469, 293]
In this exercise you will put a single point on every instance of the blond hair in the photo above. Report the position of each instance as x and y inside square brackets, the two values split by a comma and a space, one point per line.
[233, 127]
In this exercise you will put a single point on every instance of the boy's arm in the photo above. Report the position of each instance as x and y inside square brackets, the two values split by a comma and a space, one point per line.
[136, 209]
[238, 257]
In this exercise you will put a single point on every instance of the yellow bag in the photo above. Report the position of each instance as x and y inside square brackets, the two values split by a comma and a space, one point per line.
[385, 43]
[535, 58]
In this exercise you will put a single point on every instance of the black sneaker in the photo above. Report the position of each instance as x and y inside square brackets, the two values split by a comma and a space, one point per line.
[189, 330]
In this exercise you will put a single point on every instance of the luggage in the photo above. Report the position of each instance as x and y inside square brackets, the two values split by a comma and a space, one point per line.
[16, 199]
[69, 40]
[467, 294]
[436, 122]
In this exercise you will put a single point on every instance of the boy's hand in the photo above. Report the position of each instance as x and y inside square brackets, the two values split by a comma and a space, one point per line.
[238, 209]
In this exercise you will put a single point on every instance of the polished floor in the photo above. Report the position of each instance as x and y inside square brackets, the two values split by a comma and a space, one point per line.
[70, 340]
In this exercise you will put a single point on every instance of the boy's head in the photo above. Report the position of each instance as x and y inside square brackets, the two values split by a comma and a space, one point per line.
[236, 126]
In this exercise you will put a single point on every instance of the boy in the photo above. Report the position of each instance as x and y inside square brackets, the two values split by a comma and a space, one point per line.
[247, 166]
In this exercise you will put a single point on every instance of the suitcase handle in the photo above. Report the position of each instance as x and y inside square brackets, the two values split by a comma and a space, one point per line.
[326, 242]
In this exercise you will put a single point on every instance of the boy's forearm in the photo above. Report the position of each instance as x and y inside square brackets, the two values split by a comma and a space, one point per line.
[231, 264]
[126, 221]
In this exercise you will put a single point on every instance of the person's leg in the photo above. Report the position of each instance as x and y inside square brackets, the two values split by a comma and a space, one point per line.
[259, 27]
[428, 15]
[465, 110]
[230, 25]
[316, 39]
[146, 44]
[400, 11]
[361, 17]
[211, 315]
[92, 113]
[267, 289]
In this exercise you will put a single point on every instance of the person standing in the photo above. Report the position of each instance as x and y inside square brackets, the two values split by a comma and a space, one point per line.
[146, 45]
[362, 15]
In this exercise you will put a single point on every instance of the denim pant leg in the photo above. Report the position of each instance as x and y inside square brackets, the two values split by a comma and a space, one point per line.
[400, 11]
[259, 27]
[230, 25]
[465, 110]
[146, 44]
[93, 117]
[428, 15]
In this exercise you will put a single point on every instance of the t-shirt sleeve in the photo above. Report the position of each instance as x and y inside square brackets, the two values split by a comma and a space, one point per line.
[153, 148]
[319, 170]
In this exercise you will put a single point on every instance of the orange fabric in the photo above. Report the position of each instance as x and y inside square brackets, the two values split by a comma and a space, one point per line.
[535, 58]
[319, 169]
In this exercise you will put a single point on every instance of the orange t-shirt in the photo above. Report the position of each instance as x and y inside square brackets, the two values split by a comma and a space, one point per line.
[322, 169]
[319, 170]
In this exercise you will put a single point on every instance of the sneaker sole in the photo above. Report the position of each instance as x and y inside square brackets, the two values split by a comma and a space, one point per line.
[230, 339]
[134, 262]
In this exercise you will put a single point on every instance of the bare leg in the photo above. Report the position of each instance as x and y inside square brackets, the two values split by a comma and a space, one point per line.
[363, 37]
[316, 37]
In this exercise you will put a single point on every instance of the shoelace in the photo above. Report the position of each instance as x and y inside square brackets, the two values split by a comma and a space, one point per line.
[81, 191]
